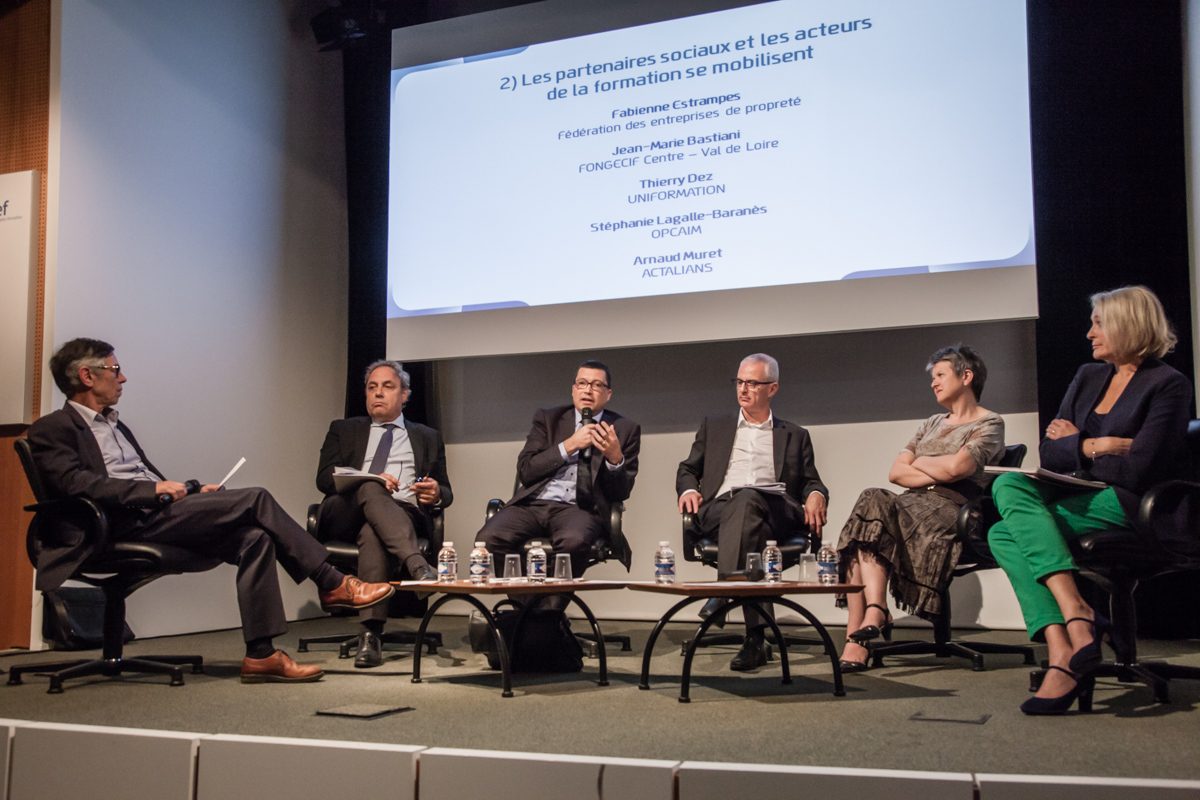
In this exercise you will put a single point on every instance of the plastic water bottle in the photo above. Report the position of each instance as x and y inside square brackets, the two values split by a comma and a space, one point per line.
[772, 558]
[480, 568]
[827, 565]
[535, 567]
[664, 563]
[447, 563]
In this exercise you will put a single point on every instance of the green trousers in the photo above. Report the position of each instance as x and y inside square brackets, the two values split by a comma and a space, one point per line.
[1030, 541]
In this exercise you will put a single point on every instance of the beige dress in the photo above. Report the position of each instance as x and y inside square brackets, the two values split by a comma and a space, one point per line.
[914, 533]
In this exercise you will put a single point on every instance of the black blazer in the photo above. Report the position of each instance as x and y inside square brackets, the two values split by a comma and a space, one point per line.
[70, 463]
[346, 446]
[539, 459]
[704, 468]
[1153, 411]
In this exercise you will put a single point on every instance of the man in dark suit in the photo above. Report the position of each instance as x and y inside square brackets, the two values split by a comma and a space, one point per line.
[384, 518]
[731, 455]
[571, 472]
[84, 449]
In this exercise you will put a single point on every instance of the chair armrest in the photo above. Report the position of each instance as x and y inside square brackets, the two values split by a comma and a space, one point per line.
[437, 530]
[617, 541]
[1159, 507]
[314, 512]
[814, 540]
[493, 506]
[1162, 497]
[691, 548]
[81, 509]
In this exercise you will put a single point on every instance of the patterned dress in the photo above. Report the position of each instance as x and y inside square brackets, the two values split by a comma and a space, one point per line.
[913, 533]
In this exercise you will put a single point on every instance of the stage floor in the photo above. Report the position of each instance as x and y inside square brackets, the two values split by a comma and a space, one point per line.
[922, 714]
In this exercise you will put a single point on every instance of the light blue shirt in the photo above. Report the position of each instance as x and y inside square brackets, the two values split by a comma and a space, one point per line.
[121, 459]
[401, 461]
[561, 487]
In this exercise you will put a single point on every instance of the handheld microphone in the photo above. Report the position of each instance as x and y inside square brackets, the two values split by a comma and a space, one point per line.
[585, 416]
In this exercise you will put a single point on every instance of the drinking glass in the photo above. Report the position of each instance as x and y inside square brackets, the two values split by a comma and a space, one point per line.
[562, 567]
[512, 566]
[754, 566]
[808, 568]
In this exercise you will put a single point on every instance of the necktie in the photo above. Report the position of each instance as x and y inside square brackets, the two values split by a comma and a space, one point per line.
[380, 459]
[583, 483]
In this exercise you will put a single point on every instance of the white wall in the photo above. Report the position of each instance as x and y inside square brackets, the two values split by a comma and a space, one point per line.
[198, 222]
[850, 458]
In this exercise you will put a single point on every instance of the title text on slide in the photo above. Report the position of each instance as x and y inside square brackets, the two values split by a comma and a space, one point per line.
[709, 51]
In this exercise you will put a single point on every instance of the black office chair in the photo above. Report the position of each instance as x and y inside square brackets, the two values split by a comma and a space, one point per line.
[616, 546]
[344, 556]
[703, 548]
[117, 568]
[1118, 560]
[974, 519]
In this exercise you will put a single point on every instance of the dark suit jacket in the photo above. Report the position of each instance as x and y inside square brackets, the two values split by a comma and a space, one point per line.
[539, 459]
[704, 468]
[1153, 411]
[70, 463]
[346, 446]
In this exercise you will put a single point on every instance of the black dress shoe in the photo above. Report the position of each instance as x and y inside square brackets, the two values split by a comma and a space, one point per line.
[711, 607]
[424, 573]
[752, 655]
[370, 651]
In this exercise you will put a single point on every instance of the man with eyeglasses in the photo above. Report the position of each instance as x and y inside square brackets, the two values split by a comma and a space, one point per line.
[577, 461]
[384, 519]
[85, 449]
[750, 477]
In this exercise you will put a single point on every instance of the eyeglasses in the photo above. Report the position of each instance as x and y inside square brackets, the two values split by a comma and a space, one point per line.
[596, 385]
[116, 368]
[751, 385]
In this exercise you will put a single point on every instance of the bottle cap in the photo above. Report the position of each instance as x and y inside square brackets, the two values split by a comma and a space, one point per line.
[771, 542]
[479, 544]
[536, 543]
[664, 544]
[448, 544]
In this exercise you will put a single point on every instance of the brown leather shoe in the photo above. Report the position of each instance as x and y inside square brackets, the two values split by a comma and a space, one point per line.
[356, 593]
[279, 668]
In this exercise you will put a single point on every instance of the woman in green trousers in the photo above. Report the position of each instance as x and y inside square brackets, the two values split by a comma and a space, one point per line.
[1122, 422]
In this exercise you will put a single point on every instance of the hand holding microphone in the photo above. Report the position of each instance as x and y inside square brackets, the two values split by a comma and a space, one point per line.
[586, 419]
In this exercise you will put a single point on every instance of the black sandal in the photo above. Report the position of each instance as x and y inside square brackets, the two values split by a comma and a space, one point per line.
[868, 632]
[856, 666]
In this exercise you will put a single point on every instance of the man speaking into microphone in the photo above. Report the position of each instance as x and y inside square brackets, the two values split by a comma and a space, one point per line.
[577, 461]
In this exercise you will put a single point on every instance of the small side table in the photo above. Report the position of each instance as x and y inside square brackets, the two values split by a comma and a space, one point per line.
[469, 592]
[741, 593]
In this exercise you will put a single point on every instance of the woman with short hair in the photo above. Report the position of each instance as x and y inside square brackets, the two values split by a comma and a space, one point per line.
[1123, 422]
[910, 538]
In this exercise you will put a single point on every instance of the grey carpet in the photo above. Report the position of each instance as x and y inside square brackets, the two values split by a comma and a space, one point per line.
[732, 717]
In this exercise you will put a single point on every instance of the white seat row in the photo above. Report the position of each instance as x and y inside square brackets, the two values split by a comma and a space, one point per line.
[51, 761]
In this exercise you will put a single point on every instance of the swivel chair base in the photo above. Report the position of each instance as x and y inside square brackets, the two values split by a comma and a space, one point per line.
[109, 667]
[972, 651]
[347, 642]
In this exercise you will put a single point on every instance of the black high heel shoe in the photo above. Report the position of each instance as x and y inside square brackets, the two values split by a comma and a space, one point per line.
[1051, 706]
[1086, 659]
[855, 666]
[868, 632]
